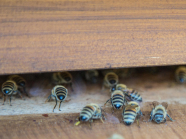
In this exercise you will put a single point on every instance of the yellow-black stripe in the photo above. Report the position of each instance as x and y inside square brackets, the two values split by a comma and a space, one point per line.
[129, 115]
[87, 113]
[8, 87]
[134, 95]
[118, 101]
[18, 79]
[61, 93]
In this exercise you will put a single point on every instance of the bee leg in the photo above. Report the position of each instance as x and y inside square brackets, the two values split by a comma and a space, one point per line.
[19, 94]
[55, 104]
[107, 102]
[48, 99]
[112, 110]
[101, 120]
[165, 120]
[4, 99]
[60, 105]
[90, 122]
[24, 90]
[151, 115]
[10, 100]
[170, 118]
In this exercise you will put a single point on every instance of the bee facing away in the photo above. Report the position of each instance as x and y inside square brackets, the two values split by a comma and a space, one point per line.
[110, 79]
[131, 112]
[9, 88]
[159, 112]
[92, 76]
[21, 83]
[117, 99]
[59, 93]
[180, 74]
[62, 78]
[130, 93]
[90, 112]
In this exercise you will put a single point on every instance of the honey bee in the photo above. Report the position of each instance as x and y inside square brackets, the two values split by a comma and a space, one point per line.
[117, 99]
[92, 76]
[62, 78]
[130, 93]
[10, 88]
[159, 112]
[90, 112]
[110, 80]
[21, 83]
[180, 74]
[131, 112]
[59, 93]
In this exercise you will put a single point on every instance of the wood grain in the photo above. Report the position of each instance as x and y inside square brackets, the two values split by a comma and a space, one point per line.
[47, 126]
[47, 35]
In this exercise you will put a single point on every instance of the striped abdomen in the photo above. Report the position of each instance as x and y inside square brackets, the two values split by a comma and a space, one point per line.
[158, 116]
[18, 80]
[87, 113]
[66, 76]
[129, 115]
[9, 87]
[133, 95]
[181, 76]
[60, 92]
[118, 100]
[111, 79]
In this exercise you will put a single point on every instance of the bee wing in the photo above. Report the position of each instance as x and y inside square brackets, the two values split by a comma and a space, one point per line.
[165, 104]
[155, 103]
[132, 106]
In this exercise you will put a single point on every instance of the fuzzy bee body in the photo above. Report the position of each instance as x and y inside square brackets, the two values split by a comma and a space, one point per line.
[61, 78]
[159, 112]
[117, 99]
[21, 83]
[59, 93]
[131, 112]
[111, 79]
[131, 94]
[90, 112]
[180, 74]
[9, 88]
[92, 76]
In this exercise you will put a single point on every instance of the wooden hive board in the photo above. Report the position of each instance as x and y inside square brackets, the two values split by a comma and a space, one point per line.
[54, 35]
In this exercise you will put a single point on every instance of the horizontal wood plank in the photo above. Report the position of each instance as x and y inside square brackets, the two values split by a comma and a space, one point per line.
[47, 35]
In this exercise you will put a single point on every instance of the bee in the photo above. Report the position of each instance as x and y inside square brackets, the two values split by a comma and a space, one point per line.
[9, 88]
[59, 93]
[90, 112]
[62, 78]
[92, 76]
[21, 83]
[110, 80]
[130, 93]
[159, 112]
[131, 112]
[180, 74]
[117, 99]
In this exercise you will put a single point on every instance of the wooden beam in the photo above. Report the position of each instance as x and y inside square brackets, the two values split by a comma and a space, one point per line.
[47, 35]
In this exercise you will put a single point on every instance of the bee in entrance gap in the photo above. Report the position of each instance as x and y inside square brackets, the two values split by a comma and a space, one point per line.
[21, 83]
[92, 76]
[159, 112]
[10, 88]
[131, 112]
[62, 78]
[180, 74]
[110, 80]
[130, 93]
[59, 93]
[117, 99]
[90, 112]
